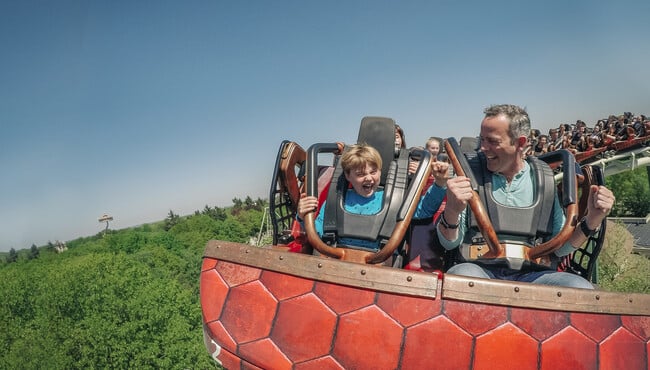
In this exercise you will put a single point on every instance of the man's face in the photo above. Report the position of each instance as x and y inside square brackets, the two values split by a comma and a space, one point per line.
[364, 180]
[503, 156]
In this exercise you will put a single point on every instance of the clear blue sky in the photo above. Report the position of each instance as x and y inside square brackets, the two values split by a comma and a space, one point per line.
[133, 108]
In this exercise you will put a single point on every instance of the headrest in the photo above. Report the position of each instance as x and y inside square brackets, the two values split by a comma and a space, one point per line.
[379, 132]
[469, 144]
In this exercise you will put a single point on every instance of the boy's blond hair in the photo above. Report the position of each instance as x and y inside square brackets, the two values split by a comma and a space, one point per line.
[360, 155]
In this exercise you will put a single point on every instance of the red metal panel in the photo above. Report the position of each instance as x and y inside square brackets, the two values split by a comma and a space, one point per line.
[437, 343]
[569, 349]
[540, 324]
[273, 320]
[266, 354]
[409, 310]
[596, 327]
[344, 299]
[304, 328]
[249, 312]
[623, 350]
[213, 295]
[368, 339]
[285, 286]
[506, 347]
[475, 318]
[235, 274]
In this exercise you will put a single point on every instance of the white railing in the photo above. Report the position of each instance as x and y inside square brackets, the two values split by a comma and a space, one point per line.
[614, 163]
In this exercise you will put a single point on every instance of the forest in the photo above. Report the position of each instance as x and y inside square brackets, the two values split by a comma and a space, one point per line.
[124, 299]
[130, 298]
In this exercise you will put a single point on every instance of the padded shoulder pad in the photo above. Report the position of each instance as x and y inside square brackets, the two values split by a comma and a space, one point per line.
[379, 132]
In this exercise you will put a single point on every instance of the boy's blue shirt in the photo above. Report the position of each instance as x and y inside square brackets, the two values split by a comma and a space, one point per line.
[355, 203]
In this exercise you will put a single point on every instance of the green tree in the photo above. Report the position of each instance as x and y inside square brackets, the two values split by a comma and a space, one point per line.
[216, 213]
[12, 256]
[632, 193]
[33, 252]
[171, 220]
[237, 206]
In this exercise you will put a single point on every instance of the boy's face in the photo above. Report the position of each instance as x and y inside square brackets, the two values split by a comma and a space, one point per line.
[434, 148]
[364, 180]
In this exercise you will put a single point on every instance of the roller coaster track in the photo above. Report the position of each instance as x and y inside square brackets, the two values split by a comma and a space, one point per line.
[616, 162]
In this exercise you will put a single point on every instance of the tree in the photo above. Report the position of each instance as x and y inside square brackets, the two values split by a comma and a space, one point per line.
[12, 256]
[33, 252]
[216, 213]
[249, 204]
[632, 193]
[171, 220]
[237, 205]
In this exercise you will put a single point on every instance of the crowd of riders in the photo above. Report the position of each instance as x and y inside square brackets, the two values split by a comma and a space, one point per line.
[580, 137]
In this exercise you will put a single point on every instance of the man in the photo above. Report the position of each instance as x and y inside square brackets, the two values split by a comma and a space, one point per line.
[503, 138]
[554, 140]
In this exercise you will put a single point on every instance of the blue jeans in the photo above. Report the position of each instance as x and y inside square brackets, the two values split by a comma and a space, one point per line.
[546, 277]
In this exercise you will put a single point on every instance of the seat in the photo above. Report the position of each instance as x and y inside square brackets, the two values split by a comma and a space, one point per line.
[287, 183]
[583, 261]
[401, 196]
[285, 190]
[424, 251]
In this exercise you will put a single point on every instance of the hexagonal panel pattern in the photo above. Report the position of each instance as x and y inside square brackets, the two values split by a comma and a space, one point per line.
[639, 325]
[544, 323]
[419, 309]
[265, 319]
[344, 299]
[368, 337]
[235, 274]
[569, 349]
[595, 326]
[249, 311]
[304, 334]
[475, 318]
[265, 354]
[285, 286]
[437, 333]
[214, 289]
[506, 347]
[623, 350]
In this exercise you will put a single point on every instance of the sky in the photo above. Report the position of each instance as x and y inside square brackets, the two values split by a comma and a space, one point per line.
[135, 108]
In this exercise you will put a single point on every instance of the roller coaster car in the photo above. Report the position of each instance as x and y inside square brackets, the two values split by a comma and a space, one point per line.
[337, 307]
